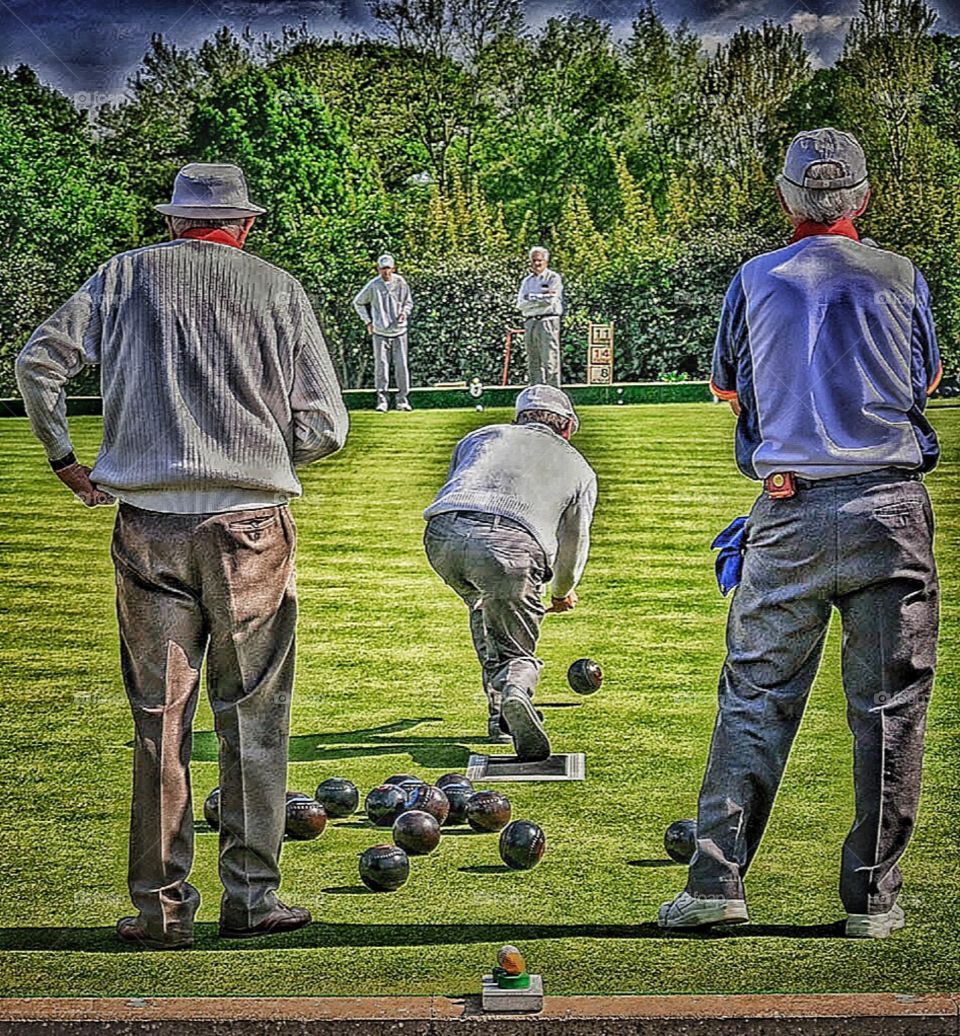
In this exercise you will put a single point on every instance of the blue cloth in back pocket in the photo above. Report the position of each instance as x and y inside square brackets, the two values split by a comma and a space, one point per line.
[729, 563]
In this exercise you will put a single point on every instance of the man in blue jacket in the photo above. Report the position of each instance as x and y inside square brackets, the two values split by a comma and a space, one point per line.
[827, 354]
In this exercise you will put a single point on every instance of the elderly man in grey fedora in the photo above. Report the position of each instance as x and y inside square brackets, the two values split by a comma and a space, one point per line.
[512, 519]
[216, 385]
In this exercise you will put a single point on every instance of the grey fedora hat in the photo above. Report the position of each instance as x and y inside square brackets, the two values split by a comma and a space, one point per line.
[210, 191]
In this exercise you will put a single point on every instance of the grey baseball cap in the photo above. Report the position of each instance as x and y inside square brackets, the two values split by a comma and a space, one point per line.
[385, 260]
[546, 397]
[210, 191]
[840, 149]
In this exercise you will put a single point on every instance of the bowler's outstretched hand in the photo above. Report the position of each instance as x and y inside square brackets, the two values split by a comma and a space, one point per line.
[563, 604]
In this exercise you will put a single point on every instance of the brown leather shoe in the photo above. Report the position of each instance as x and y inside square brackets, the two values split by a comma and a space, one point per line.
[280, 919]
[133, 930]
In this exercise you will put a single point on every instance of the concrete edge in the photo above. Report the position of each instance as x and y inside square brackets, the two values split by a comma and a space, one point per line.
[848, 1014]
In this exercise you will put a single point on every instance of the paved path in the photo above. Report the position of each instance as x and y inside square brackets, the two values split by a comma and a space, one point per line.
[835, 1015]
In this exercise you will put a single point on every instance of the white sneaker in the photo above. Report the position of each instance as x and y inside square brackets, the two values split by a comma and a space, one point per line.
[404, 406]
[688, 911]
[875, 926]
[381, 408]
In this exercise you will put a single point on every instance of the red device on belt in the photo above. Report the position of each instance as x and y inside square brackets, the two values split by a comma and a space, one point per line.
[780, 485]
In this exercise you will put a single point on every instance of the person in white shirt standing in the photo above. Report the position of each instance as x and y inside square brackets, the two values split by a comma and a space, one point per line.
[384, 304]
[513, 518]
[540, 301]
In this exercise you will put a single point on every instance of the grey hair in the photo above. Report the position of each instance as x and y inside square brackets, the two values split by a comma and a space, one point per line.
[182, 223]
[824, 207]
[540, 250]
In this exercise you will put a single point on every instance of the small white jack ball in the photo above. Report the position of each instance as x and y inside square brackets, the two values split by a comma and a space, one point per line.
[479, 406]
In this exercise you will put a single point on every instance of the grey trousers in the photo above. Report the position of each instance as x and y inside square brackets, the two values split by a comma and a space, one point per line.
[863, 545]
[220, 586]
[499, 571]
[385, 350]
[541, 338]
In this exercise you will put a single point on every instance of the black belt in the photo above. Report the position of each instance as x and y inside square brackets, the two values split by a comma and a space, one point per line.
[486, 518]
[877, 475]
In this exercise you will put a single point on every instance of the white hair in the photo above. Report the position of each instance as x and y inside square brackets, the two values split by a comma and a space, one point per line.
[540, 250]
[821, 206]
[182, 223]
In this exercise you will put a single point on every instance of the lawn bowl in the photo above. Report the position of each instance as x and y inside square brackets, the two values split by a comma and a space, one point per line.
[384, 804]
[585, 676]
[457, 796]
[680, 840]
[416, 832]
[338, 796]
[522, 845]
[211, 809]
[306, 819]
[453, 778]
[488, 811]
[384, 868]
[429, 799]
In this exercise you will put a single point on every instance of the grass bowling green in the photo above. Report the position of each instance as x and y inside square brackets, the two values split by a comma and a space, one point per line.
[387, 684]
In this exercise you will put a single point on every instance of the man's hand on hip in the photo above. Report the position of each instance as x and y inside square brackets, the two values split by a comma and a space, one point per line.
[369, 329]
[563, 604]
[76, 477]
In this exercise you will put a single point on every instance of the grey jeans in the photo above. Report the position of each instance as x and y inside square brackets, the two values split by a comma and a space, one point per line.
[863, 545]
[220, 586]
[387, 348]
[541, 338]
[499, 570]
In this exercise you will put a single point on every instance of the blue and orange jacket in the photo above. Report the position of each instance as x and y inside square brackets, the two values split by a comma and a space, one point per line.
[830, 349]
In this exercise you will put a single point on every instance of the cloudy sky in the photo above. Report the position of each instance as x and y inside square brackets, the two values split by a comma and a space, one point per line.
[90, 47]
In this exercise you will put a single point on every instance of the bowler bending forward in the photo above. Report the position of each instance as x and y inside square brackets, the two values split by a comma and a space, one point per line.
[216, 383]
[827, 353]
[513, 516]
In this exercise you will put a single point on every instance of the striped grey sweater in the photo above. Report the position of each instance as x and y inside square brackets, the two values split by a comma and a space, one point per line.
[532, 475]
[215, 378]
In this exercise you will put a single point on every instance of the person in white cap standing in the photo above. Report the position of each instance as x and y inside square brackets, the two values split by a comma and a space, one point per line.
[216, 385]
[384, 303]
[512, 519]
[540, 301]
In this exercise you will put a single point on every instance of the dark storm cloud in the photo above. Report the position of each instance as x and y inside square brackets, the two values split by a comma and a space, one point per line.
[92, 47]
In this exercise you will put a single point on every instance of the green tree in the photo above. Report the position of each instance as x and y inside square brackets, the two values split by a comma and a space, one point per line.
[747, 85]
[147, 137]
[560, 98]
[666, 70]
[60, 217]
[887, 67]
[327, 214]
